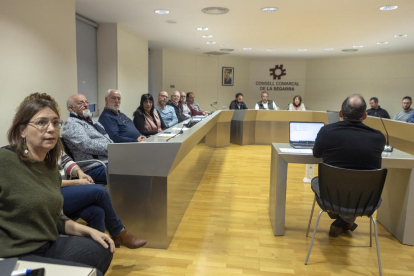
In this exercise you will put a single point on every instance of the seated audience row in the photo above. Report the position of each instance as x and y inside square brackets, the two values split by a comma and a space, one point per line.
[267, 104]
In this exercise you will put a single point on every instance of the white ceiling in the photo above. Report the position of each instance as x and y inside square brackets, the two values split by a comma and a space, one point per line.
[298, 24]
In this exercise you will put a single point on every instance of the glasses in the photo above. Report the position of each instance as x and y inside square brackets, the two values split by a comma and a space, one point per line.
[163, 96]
[82, 103]
[43, 124]
[148, 102]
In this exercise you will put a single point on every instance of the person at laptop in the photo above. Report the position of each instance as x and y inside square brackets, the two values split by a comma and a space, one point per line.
[302, 135]
[265, 103]
[348, 144]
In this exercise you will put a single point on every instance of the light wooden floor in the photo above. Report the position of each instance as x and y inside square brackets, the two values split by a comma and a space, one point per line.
[226, 230]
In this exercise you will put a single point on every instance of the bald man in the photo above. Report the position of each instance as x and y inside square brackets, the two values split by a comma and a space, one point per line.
[348, 144]
[166, 112]
[86, 138]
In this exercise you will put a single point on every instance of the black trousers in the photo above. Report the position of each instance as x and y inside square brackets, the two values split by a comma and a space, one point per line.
[74, 251]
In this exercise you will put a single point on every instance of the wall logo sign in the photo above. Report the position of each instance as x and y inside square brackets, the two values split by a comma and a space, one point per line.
[275, 74]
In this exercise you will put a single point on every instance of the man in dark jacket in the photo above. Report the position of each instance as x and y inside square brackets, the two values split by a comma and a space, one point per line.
[175, 98]
[376, 110]
[238, 102]
[348, 144]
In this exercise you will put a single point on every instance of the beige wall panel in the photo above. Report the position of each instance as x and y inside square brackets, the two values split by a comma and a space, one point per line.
[38, 54]
[155, 76]
[206, 92]
[182, 83]
[295, 72]
[132, 69]
[206, 66]
[107, 60]
[179, 63]
[388, 77]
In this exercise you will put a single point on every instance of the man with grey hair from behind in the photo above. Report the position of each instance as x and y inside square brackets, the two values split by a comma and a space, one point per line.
[119, 127]
[348, 144]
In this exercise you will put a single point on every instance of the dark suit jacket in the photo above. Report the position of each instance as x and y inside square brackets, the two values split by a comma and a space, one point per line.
[233, 105]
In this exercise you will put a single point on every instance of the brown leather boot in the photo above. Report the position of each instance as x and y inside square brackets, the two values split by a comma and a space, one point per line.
[350, 226]
[334, 231]
[128, 240]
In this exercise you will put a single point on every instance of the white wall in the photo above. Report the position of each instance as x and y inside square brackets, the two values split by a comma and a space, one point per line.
[388, 77]
[132, 69]
[201, 74]
[37, 54]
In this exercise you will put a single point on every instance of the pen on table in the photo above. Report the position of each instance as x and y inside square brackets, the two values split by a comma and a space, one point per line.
[21, 272]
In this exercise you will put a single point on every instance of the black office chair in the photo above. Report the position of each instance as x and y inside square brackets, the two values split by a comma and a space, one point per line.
[68, 152]
[348, 192]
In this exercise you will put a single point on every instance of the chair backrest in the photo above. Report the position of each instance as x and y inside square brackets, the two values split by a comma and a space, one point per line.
[66, 148]
[349, 192]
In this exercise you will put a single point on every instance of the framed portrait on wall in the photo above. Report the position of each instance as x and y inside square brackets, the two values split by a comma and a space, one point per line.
[227, 77]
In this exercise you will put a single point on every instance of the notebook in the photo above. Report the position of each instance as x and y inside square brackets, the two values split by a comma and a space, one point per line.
[302, 135]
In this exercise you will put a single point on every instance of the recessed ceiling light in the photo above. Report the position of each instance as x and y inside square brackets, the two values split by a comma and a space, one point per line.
[269, 9]
[358, 46]
[388, 8]
[162, 11]
[224, 45]
[400, 35]
[349, 50]
[215, 10]
[329, 49]
[171, 21]
[247, 49]
[270, 50]
[211, 42]
[382, 42]
[206, 36]
[202, 29]
[302, 50]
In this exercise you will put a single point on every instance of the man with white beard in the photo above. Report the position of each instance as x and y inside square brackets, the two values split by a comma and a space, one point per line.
[119, 127]
[86, 138]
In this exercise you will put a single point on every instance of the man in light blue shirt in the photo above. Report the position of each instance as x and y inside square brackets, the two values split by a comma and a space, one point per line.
[166, 112]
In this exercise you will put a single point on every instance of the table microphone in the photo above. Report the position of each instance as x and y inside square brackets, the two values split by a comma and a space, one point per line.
[180, 132]
[214, 107]
[387, 147]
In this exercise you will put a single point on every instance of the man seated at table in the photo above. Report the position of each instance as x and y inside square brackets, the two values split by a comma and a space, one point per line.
[191, 103]
[348, 144]
[187, 110]
[403, 115]
[265, 103]
[238, 102]
[119, 127]
[166, 112]
[86, 138]
[174, 102]
[376, 110]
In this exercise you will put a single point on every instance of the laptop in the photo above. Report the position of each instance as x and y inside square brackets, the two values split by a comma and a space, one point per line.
[302, 135]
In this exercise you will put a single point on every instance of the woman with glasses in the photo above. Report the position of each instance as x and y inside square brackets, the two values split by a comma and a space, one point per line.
[146, 118]
[30, 199]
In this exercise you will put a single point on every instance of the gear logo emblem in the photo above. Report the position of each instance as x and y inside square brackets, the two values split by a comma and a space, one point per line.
[277, 76]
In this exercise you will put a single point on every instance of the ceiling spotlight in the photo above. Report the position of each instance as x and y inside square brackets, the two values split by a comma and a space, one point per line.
[206, 36]
[357, 46]
[269, 9]
[302, 50]
[211, 42]
[171, 21]
[401, 35]
[382, 42]
[224, 45]
[215, 10]
[247, 49]
[270, 50]
[329, 49]
[162, 11]
[388, 8]
[202, 29]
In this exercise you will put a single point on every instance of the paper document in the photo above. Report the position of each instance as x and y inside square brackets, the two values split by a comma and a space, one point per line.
[179, 128]
[295, 150]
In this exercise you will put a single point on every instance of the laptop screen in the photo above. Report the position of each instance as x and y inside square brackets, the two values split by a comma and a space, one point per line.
[304, 131]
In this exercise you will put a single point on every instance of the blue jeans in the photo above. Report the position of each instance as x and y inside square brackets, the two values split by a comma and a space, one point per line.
[75, 251]
[93, 204]
[98, 174]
